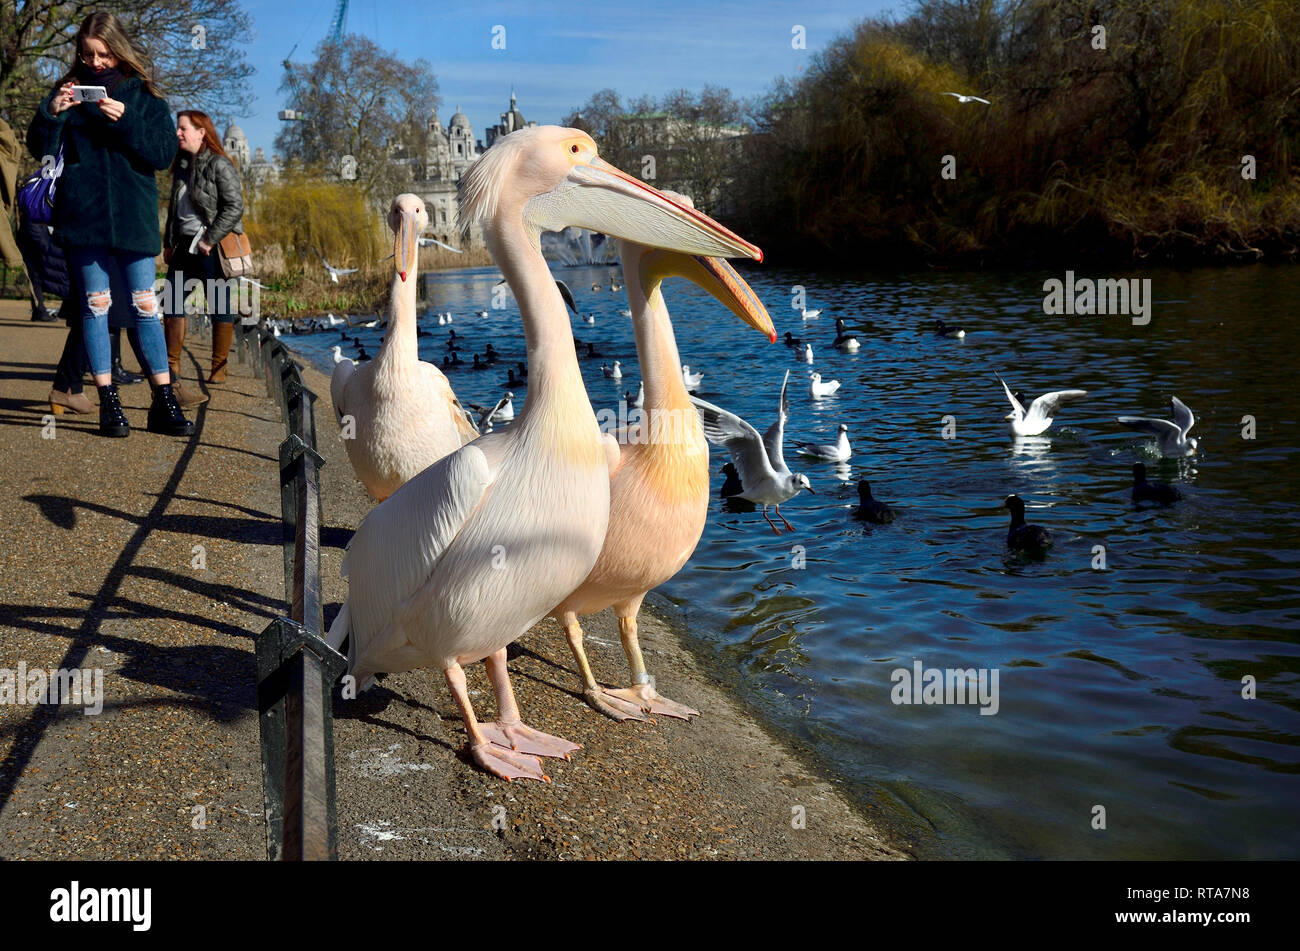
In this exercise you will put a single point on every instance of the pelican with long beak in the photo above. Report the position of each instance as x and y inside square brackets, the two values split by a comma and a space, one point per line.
[397, 412]
[659, 489]
[469, 554]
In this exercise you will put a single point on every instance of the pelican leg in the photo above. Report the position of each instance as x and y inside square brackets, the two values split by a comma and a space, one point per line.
[509, 731]
[772, 523]
[783, 518]
[613, 708]
[507, 764]
[642, 692]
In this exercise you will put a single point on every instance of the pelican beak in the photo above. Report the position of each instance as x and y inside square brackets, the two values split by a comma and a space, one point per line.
[714, 275]
[405, 242]
[597, 196]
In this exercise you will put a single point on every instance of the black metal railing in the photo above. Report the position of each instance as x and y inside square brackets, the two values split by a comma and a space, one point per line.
[296, 669]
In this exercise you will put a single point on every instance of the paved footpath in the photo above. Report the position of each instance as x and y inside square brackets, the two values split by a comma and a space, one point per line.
[154, 561]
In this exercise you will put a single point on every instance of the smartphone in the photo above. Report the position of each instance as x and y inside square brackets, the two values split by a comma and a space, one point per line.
[88, 93]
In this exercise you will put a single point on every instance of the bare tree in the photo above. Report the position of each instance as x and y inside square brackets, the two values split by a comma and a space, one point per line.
[197, 48]
[363, 112]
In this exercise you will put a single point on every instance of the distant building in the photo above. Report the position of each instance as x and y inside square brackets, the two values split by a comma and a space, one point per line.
[512, 120]
[260, 171]
[236, 145]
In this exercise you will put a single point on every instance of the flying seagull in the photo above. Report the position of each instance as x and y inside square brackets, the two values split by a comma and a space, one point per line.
[1038, 417]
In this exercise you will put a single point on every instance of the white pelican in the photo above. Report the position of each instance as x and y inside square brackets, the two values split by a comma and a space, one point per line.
[659, 491]
[759, 460]
[691, 380]
[1038, 417]
[476, 549]
[404, 414]
[817, 389]
[838, 451]
[334, 271]
[1171, 438]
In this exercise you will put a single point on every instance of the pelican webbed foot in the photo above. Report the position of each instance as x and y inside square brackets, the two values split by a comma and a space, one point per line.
[521, 738]
[647, 700]
[606, 702]
[507, 764]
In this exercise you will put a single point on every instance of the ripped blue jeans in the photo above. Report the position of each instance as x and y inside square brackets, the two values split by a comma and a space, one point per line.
[137, 272]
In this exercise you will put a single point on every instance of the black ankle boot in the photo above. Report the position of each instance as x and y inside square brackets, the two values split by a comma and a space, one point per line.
[165, 414]
[112, 421]
[122, 376]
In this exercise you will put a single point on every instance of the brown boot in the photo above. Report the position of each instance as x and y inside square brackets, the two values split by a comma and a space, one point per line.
[174, 330]
[222, 335]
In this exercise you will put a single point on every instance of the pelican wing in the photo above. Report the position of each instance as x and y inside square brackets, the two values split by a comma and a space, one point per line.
[1160, 428]
[1183, 417]
[1015, 403]
[399, 543]
[1046, 405]
[741, 440]
[775, 435]
[343, 371]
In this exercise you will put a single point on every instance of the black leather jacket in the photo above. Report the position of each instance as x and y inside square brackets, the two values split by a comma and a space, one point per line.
[213, 183]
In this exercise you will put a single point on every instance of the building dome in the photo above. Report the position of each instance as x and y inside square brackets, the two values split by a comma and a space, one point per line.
[234, 132]
[459, 120]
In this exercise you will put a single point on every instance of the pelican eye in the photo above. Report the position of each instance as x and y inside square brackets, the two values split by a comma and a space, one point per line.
[574, 149]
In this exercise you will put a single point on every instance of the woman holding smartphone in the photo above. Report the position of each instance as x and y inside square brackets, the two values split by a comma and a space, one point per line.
[206, 204]
[106, 204]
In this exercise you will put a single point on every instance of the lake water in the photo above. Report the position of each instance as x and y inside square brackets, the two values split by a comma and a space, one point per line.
[1119, 688]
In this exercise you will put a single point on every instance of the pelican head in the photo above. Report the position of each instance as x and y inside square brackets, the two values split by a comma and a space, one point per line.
[552, 178]
[407, 217]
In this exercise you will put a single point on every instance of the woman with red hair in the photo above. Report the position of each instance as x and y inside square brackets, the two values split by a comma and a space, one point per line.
[207, 204]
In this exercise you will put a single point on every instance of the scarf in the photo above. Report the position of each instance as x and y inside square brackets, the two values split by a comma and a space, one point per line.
[89, 76]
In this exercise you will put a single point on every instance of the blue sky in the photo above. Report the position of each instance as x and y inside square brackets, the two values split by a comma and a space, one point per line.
[556, 54]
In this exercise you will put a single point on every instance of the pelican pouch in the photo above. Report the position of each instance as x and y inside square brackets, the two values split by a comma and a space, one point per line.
[236, 255]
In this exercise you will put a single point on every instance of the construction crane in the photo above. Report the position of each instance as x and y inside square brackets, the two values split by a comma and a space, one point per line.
[336, 36]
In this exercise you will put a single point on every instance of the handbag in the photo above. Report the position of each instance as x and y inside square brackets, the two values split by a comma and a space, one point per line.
[36, 194]
[236, 255]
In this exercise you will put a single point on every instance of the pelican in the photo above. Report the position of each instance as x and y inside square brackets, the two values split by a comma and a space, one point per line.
[691, 380]
[759, 460]
[334, 271]
[404, 414]
[1038, 417]
[473, 551]
[1171, 438]
[430, 242]
[817, 389]
[659, 490]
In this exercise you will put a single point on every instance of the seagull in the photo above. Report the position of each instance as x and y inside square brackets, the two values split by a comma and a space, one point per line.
[691, 380]
[616, 373]
[1158, 492]
[837, 452]
[589, 319]
[1171, 438]
[943, 330]
[442, 320]
[809, 314]
[334, 271]
[334, 321]
[1039, 415]
[338, 353]
[961, 98]
[1030, 539]
[871, 509]
[817, 389]
[481, 313]
[759, 460]
[505, 409]
[429, 242]
[625, 312]
[807, 355]
[639, 400]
